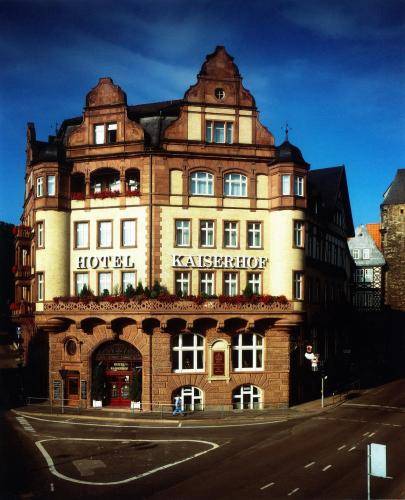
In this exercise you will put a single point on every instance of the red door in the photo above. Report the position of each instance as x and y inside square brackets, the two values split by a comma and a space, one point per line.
[118, 387]
[72, 389]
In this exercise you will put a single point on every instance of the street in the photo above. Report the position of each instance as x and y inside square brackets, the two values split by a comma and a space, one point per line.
[315, 456]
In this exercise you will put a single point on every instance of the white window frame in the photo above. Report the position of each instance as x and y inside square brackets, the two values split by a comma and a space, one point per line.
[231, 283]
[126, 282]
[132, 233]
[286, 184]
[299, 233]
[235, 185]
[356, 254]
[299, 185]
[104, 239]
[99, 134]
[182, 232]
[40, 287]
[100, 277]
[182, 282]
[196, 395]
[231, 236]
[84, 232]
[366, 253]
[298, 285]
[219, 132]
[256, 347]
[51, 185]
[111, 127]
[40, 187]
[255, 282]
[207, 282]
[201, 184]
[40, 235]
[81, 279]
[255, 397]
[207, 232]
[254, 229]
[195, 348]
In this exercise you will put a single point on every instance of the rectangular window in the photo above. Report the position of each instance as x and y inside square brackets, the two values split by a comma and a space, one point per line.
[368, 275]
[182, 282]
[128, 279]
[50, 188]
[207, 233]
[104, 283]
[40, 287]
[298, 186]
[128, 231]
[105, 234]
[99, 134]
[40, 187]
[230, 284]
[298, 234]
[286, 185]
[298, 285]
[207, 283]
[82, 235]
[356, 254]
[230, 234]
[81, 280]
[40, 235]
[255, 282]
[254, 230]
[111, 133]
[366, 253]
[182, 233]
[219, 132]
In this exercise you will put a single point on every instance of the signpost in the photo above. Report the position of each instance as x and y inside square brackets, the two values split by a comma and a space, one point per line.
[376, 463]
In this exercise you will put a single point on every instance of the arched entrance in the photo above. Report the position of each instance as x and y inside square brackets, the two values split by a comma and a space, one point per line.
[117, 373]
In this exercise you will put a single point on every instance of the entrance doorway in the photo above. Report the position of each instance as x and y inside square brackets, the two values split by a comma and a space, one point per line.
[117, 369]
[72, 382]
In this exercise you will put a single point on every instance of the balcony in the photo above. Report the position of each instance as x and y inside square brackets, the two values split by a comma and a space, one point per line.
[21, 272]
[22, 308]
[22, 232]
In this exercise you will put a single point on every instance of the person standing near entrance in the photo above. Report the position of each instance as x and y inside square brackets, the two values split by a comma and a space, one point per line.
[177, 406]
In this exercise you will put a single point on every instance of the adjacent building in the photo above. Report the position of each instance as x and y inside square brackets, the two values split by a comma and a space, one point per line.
[172, 248]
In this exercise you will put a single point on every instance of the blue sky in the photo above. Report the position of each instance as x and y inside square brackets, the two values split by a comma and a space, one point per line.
[333, 69]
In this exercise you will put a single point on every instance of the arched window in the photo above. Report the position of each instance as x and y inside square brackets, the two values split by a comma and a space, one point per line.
[247, 352]
[191, 398]
[235, 185]
[188, 352]
[201, 183]
[247, 397]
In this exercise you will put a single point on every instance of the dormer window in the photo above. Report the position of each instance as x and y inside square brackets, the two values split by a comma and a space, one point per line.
[298, 186]
[219, 132]
[40, 187]
[366, 253]
[111, 133]
[99, 136]
[219, 94]
[356, 254]
[105, 133]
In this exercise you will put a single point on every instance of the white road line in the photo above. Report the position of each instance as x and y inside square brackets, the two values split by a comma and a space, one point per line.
[179, 424]
[53, 470]
[293, 491]
[366, 434]
[371, 434]
[341, 447]
[309, 465]
[52, 487]
[352, 448]
[326, 468]
[266, 486]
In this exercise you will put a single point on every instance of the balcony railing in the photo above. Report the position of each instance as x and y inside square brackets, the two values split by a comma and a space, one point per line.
[22, 271]
[24, 232]
[107, 193]
[22, 308]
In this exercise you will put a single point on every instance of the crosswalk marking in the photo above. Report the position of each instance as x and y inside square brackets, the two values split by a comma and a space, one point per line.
[25, 424]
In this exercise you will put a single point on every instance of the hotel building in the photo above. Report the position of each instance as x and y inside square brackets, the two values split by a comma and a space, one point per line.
[241, 248]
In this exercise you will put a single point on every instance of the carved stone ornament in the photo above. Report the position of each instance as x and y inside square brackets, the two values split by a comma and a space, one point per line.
[106, 93]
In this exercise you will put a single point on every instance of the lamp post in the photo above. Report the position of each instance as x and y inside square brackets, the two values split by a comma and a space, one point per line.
[63, 375]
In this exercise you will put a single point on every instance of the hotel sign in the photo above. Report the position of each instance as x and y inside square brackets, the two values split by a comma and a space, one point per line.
[219, 261]
[106, 262]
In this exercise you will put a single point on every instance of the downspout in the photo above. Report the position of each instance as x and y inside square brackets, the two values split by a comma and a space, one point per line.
[150, 275]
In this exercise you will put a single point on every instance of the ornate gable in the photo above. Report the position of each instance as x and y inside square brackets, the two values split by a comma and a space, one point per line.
[106, 93]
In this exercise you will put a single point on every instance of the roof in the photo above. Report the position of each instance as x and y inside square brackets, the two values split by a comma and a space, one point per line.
[166, 108]
[330, 185]
[395, 194]
[373, 229]
[363, 240]
[288, 153]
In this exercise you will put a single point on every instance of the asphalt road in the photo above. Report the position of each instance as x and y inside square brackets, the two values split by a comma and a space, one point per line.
[321, 456]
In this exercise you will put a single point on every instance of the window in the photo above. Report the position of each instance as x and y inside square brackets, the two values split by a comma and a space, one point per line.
[247, 352]
[128, 279]
[298, 186]
[104, 283]
[366, 253]
[182, 233]
[254, 230]
[82, 235]
[298, 285]
[40, 235]
[201, 183]
[81, 280]
[40, 187]
[191, 398]
[219, 93]
[247, 397]
[255, 282]
[298, 234]
[231, 235]
[356, 254]
[111, 133]
[128, 233]
[40, 286]
[99, 134]
[286, 185]
[207, 283]
[219, 132]
[188, 352]
[182, 282]
[230, 284]
[207, 233]
[105, 234]
[364, 275]
[50, 188]
[235, 185]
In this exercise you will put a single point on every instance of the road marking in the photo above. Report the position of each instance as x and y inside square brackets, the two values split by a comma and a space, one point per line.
[365, 405]
[179, 424]
[341, 447]
[293, 491]
[25, 424]
[52, 487]
[352, 448]
[266, 486]
[371, 434]
[174, 426]
[53, 470]
[326, 468]
[366, 434]
[309, 465]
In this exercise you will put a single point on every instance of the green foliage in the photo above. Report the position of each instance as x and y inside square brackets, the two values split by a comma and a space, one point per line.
[248, 291]
[85, 292]
[105, 293]
[116, 290]
[139, 289]
[129, 291]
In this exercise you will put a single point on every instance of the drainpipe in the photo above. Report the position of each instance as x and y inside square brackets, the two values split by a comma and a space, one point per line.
[151, 223]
